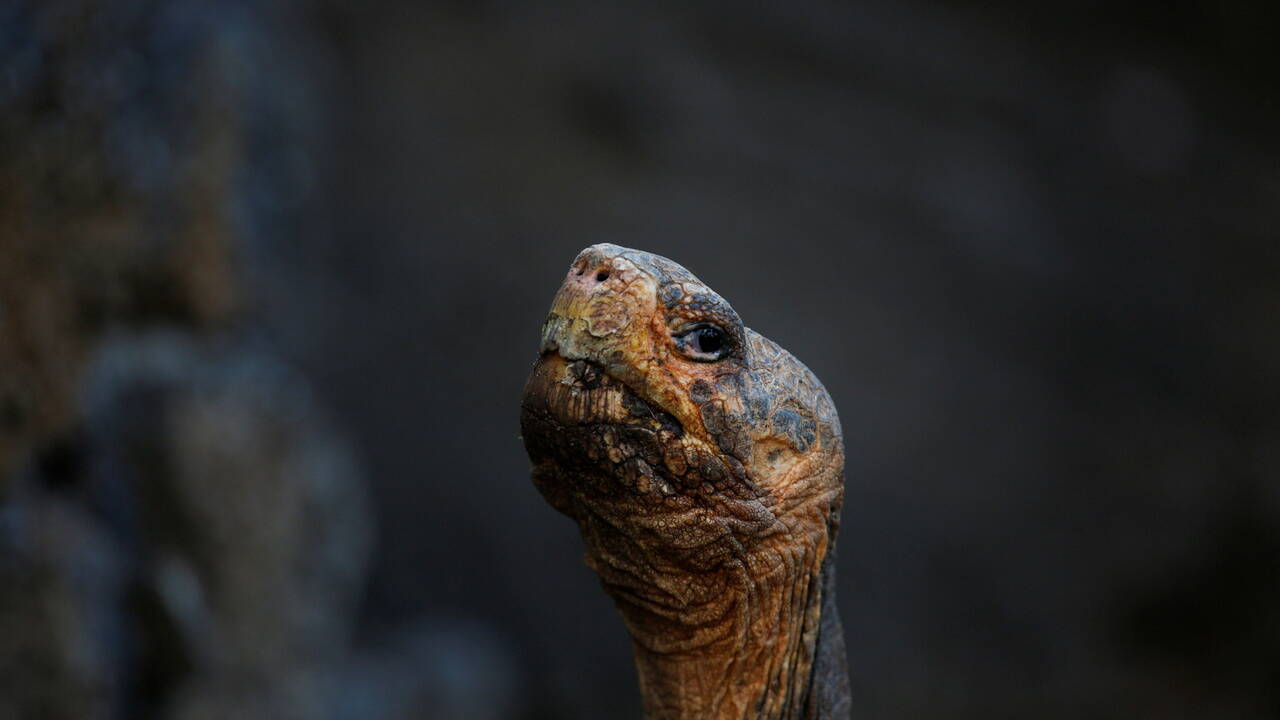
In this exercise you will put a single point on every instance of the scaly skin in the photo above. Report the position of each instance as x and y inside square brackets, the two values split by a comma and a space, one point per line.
[707, 490]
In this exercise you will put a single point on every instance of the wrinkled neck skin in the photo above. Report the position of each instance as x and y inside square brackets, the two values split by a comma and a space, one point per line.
[730, 629]
[740, 642]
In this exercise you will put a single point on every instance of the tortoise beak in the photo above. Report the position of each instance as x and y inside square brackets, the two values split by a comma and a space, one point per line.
[592, 304]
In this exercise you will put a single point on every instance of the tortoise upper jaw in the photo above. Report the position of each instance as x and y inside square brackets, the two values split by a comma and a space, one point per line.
[552, 328]
[601, 308]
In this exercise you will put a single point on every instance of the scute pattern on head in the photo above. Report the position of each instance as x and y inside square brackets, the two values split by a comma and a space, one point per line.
[706, 485]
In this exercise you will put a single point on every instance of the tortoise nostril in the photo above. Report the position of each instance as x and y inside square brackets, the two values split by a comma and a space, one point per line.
[602, 276]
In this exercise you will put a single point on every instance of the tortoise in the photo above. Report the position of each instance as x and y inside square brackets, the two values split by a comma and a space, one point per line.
[704, 467]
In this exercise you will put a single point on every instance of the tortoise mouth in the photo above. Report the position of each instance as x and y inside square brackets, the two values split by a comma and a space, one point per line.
[603, 437]
[582, 392]
[599, 434]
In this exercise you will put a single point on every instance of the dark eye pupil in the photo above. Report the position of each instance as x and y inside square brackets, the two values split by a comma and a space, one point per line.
[708, 340]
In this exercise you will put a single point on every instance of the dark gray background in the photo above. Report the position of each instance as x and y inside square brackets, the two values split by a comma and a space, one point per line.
[1031, 249]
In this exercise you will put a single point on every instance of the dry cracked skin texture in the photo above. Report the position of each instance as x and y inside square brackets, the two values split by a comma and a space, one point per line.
[704, 467]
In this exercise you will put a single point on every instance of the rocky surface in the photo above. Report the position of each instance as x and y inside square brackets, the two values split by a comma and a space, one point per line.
[62, 613]
[184, 533]
[243, 509]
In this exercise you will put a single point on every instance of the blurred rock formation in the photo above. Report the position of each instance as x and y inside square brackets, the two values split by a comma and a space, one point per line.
[182, 532]
[119, 145]
[241, 507]
[63, 591]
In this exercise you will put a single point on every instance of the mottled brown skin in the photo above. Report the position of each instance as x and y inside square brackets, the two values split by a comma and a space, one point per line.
[707, 487]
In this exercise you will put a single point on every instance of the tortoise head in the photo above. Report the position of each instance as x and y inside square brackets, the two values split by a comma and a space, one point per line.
[703, 465]
[650, 392]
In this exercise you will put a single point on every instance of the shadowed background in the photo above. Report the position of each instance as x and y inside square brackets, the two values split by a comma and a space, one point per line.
[273, 276]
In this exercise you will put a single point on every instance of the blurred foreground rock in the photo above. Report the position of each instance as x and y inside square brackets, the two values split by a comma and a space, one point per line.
[184, 533]
[116, 182]
[62, 591]
[241, 507]
[202, 558]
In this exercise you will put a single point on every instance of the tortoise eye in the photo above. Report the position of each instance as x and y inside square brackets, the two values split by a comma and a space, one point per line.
[703, 343]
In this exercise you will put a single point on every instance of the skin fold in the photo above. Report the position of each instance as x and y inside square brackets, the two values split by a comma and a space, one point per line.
[704, 466]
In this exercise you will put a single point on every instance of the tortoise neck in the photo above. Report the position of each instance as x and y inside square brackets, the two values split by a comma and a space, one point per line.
[742, 646]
